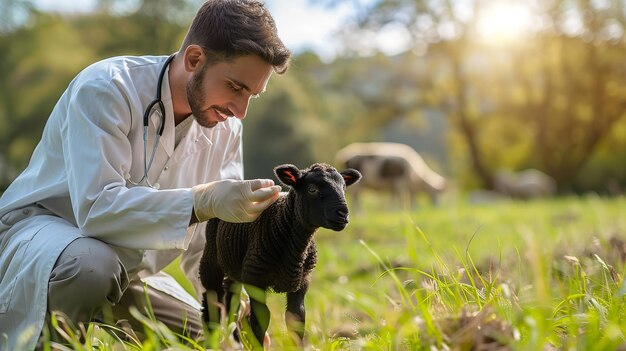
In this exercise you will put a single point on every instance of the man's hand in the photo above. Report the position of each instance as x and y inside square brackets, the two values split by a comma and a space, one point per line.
[234, 201]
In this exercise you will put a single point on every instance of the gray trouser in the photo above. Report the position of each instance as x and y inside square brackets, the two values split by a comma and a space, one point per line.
[88, 276]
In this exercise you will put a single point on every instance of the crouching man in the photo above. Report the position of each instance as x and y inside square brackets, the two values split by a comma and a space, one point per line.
[136, 153]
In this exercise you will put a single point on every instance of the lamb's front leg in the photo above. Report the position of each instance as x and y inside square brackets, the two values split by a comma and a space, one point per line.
[212, 299]
[232, 295]
[295, 313]
[259, 312]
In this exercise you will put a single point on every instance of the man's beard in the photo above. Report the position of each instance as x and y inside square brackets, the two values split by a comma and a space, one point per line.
[196, 98]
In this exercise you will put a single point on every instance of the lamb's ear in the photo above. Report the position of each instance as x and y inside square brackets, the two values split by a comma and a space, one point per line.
[287, 174]
[351, 176]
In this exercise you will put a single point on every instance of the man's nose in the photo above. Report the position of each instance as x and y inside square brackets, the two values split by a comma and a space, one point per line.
[239, 106]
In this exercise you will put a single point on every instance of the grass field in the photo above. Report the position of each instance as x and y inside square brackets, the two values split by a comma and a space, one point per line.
[540, 275]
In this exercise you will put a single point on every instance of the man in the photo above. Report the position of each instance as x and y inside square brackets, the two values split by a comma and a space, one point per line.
[105, 203]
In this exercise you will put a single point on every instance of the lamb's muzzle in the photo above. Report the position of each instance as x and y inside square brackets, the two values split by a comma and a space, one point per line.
[338, 218]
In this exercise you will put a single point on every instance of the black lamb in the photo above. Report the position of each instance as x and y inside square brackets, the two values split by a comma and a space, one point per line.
[277, 250]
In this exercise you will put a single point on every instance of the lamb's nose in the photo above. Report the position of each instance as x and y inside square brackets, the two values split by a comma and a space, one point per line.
[343, 213]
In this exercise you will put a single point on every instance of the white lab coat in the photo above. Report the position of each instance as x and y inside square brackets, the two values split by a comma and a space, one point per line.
[93, 138]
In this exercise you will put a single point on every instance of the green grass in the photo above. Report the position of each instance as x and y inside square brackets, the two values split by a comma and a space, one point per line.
[510, 275]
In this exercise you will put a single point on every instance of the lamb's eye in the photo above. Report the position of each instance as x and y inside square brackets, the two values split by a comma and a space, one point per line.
[313, 190]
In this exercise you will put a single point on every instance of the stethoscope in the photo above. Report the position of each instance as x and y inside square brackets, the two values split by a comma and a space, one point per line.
[146, 119]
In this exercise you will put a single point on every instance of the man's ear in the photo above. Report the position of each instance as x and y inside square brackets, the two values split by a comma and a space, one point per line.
[351, 176]
[193, 57]
[287, 174]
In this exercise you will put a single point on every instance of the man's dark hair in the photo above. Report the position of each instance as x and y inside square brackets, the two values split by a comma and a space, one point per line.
[227, 29]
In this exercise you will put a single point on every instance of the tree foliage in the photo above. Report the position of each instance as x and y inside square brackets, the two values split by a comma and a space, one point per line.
[546, 102]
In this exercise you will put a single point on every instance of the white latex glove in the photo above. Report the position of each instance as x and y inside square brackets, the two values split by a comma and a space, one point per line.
[234, 201]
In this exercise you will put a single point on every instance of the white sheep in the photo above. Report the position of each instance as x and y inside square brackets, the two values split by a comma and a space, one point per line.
[392, 167]
[526, 184]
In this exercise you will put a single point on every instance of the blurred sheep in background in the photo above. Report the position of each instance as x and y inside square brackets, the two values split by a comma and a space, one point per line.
[525, 184]
[391, 167]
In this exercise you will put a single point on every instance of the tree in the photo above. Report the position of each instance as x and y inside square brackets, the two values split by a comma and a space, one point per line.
[574, 90]
[557, 94]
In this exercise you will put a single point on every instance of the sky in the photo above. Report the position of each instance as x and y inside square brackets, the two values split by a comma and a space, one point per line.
[301, 25]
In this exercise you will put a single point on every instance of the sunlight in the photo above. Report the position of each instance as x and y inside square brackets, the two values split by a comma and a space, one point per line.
[504, 22]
